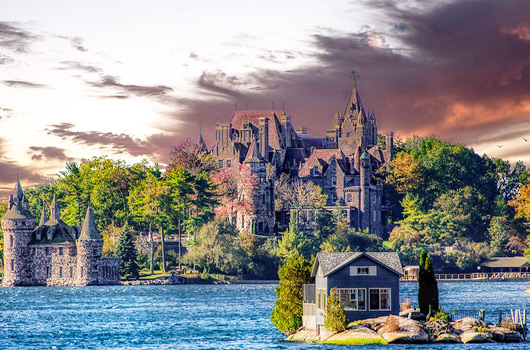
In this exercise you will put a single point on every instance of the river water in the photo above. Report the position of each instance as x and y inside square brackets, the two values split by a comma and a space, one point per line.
[195, 316]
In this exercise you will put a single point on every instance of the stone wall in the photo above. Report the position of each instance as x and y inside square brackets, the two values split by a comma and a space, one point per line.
[109, 270]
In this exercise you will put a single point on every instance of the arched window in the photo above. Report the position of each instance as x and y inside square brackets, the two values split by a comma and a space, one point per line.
[348, 197]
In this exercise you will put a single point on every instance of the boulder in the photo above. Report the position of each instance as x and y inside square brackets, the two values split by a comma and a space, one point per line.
[448, 338]
[501, 334]
[303, 335]
[414, 314]
[476, 337]
[407, 334]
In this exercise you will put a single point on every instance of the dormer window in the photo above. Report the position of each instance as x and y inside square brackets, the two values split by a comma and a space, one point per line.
[333, 181]
[314, 171]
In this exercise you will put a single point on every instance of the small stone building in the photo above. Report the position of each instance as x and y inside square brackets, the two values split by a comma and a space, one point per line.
[54, 253]
[367, 284]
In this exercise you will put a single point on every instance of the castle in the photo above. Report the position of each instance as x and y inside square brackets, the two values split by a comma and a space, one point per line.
[342, 164]
[53, 254]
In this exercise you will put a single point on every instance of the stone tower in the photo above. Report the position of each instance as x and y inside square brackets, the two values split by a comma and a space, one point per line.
[366, 173]
[18, 225]
[89, 249]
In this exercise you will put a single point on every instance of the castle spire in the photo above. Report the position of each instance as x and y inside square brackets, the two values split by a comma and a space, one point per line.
[200, 140]
[43, 217]
[17, 191]
[89, 231]
[354, 105]
[55, 214]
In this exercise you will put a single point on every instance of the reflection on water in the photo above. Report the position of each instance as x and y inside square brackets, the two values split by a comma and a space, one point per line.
[194, 316]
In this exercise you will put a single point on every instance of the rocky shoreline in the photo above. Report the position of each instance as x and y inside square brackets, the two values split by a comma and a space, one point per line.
[381, 330]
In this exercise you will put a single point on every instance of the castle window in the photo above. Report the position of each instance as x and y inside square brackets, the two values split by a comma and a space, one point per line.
[60, 271]
[348, 197]
[95, 252]
[242, 221]
[71, 272]
[82, 272]
[47, 272]
[333, 181]
[228, 163]
[47, 250]
[220, 163]
[314, 171]
[12, 264]
[11, 240]
[60, 250]
[348, 134]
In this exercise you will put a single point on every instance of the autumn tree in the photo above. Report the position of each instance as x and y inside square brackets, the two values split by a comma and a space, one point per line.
[188, 155]
[293, 193]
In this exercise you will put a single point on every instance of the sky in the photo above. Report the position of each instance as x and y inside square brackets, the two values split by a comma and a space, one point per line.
[130, 79]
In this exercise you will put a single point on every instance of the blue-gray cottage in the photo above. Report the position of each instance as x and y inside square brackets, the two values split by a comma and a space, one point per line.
[367, 284]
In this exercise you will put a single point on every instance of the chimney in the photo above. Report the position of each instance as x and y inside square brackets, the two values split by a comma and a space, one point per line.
[389, 146]
[264, 137]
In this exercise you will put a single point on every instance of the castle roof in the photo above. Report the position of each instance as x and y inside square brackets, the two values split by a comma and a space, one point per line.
[89, 231]
[253, 155]
[322, 156]
[252, 117]
[18, 204]
[43, 217]
[55, 212]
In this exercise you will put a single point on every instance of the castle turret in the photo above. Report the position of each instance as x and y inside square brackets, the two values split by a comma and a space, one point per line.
[55, 213]
[365, 190]
[89, 249]
[264, 136]
[43, 217]
[18, 225]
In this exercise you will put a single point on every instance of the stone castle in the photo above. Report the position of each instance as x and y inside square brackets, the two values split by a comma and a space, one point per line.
[341, 163]
[53, 254]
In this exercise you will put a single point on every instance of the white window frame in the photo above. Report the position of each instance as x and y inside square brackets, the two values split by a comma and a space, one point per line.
[389, 299]
[372, 270]
[356, 291]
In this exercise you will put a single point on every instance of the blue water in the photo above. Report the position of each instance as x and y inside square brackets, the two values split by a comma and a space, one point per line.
[194, 316]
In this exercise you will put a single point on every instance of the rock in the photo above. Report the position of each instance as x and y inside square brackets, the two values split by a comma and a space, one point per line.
[501, 334]
[414, 314]
[304, 334]
[476, 337]
[408, 334]
[448, 338]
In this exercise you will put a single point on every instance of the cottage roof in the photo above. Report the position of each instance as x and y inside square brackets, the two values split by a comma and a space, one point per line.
[513, 262]
[331, 262]
[89, 231]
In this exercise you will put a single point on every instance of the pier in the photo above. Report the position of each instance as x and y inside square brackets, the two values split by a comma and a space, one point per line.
[476, 276]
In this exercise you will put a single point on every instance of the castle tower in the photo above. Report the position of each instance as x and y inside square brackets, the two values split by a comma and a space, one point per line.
[264, 136]
[89, 248]
[365, 190]
[18, 225]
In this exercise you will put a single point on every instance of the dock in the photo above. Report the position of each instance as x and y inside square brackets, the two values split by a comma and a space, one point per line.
[477, 276]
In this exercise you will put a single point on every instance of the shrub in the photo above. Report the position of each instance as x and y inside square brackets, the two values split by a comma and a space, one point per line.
[440, 315]
[335, 317]
[391, 323]
[287, 312]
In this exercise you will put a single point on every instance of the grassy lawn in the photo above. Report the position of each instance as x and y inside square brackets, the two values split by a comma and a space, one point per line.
[158, 274]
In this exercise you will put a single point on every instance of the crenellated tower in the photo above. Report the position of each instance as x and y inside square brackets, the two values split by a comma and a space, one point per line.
[18, 225]
[89, 249]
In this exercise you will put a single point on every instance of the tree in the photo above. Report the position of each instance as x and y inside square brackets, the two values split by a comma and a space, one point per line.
[146, 203]
[335, 317]
[71, 183]
[189, 155]
[3, 210]
[428, 288]
[215, 247]
[295, 194]
[294, 242]
[127, 252]
[287, 312]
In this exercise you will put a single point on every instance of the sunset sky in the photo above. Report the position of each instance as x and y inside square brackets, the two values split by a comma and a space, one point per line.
[130, 79]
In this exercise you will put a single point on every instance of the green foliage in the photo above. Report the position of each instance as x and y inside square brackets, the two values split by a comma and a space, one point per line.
[216, 248]
[428, 288]
[3, 210]
[294, 242]
[440, 315]
[41, 197]
[287, 312]
[127, 252]
[335, 317]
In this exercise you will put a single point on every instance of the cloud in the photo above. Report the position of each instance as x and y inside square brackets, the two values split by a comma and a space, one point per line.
[6, 113]
[49, 153]
[77, 43]
[23, 84]
[15, 38]
[458, 70]
[117, 143]
[110, 82]
[80, 66]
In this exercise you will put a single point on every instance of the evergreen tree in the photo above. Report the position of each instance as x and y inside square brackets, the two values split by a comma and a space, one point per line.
[127, 252]
[287, 312]
[428, 288]
[335, 317]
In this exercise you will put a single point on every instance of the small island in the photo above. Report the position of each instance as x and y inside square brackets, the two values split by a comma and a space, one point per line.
[354, 300]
